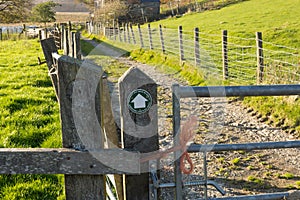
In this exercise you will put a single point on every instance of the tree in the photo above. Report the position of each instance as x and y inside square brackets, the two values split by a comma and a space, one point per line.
[14, 10]
[111, 11]
[44, 12]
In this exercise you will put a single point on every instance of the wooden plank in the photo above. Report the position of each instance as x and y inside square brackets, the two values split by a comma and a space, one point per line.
[62, 161]
[79, 99]
[49, 47]
[110, 130]
[139, 129]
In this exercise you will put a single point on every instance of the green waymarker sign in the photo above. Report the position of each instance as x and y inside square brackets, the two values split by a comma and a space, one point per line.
[139, 101]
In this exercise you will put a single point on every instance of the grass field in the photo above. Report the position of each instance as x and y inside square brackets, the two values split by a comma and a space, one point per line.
[276, 19]
[29, 117]
[279, 24]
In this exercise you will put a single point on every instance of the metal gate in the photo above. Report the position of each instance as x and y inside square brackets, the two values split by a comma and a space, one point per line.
[179, 92]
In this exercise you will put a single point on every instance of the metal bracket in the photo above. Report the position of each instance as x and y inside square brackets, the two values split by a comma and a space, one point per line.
[153, 180]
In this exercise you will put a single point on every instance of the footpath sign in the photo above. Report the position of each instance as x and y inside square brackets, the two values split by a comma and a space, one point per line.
[139, 101]
[139, 130]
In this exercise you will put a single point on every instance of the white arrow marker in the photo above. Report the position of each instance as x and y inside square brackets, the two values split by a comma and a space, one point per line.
[139, 101]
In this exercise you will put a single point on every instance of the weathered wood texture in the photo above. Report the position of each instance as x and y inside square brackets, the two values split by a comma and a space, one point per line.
[139, 131]
[66, 41]
[225, 54]
[49, 47]
[161, 36]
[79, 99]
[196, 47]
[60, 161]
[260, 57]
[150, 37]
[110, 131]
[141, 36]
[180, 39]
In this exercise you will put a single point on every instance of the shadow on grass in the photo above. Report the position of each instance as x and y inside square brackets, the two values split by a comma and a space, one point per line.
[96, 46]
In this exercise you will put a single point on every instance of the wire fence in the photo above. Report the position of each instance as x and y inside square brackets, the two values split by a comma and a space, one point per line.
[221, 58]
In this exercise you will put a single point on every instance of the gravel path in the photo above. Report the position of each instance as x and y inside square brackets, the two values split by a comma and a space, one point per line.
[221, 120]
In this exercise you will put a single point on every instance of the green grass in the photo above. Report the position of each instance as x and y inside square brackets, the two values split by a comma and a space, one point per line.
[279, 24]
[276, 19]
[29, 117]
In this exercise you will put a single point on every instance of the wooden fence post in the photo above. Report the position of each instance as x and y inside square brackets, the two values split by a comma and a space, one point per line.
[161, 39]
[260, 57]
[225, 54]
[124, 30]
[109, 127]
[150, 37]
[132, 33]
[71, 44]
[181, 51]
[197, 46]
[141, 36]
[139, 128]
[7, 33]
[24, 31]
[74, 44]
[0, 34]
[48, 46]
[62, 37]
[79, 100]
[66, 41]
[114, 30]
[119, 33]
[128, 33]
[77, 48]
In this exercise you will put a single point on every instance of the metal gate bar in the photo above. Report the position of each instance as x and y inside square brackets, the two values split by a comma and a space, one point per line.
[194, 148]
[237, 91]
[227, 91]
[273, 196]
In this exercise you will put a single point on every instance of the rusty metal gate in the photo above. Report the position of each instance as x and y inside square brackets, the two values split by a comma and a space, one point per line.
[179, 92]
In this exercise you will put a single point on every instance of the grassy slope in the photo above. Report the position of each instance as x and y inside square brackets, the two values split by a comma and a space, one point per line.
[278, 21]
[29, 117]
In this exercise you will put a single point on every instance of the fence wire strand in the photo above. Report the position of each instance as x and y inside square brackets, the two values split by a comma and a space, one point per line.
[280, 63]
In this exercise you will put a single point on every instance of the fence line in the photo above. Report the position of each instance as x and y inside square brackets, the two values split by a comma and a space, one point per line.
[234, 59]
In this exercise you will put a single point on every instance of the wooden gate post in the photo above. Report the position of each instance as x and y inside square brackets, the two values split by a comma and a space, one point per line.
[139, 129]
[79, 99]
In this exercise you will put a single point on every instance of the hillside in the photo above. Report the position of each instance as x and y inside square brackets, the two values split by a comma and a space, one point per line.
[278, 21]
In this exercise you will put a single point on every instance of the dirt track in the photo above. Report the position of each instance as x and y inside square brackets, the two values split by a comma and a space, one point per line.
[221, 121]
